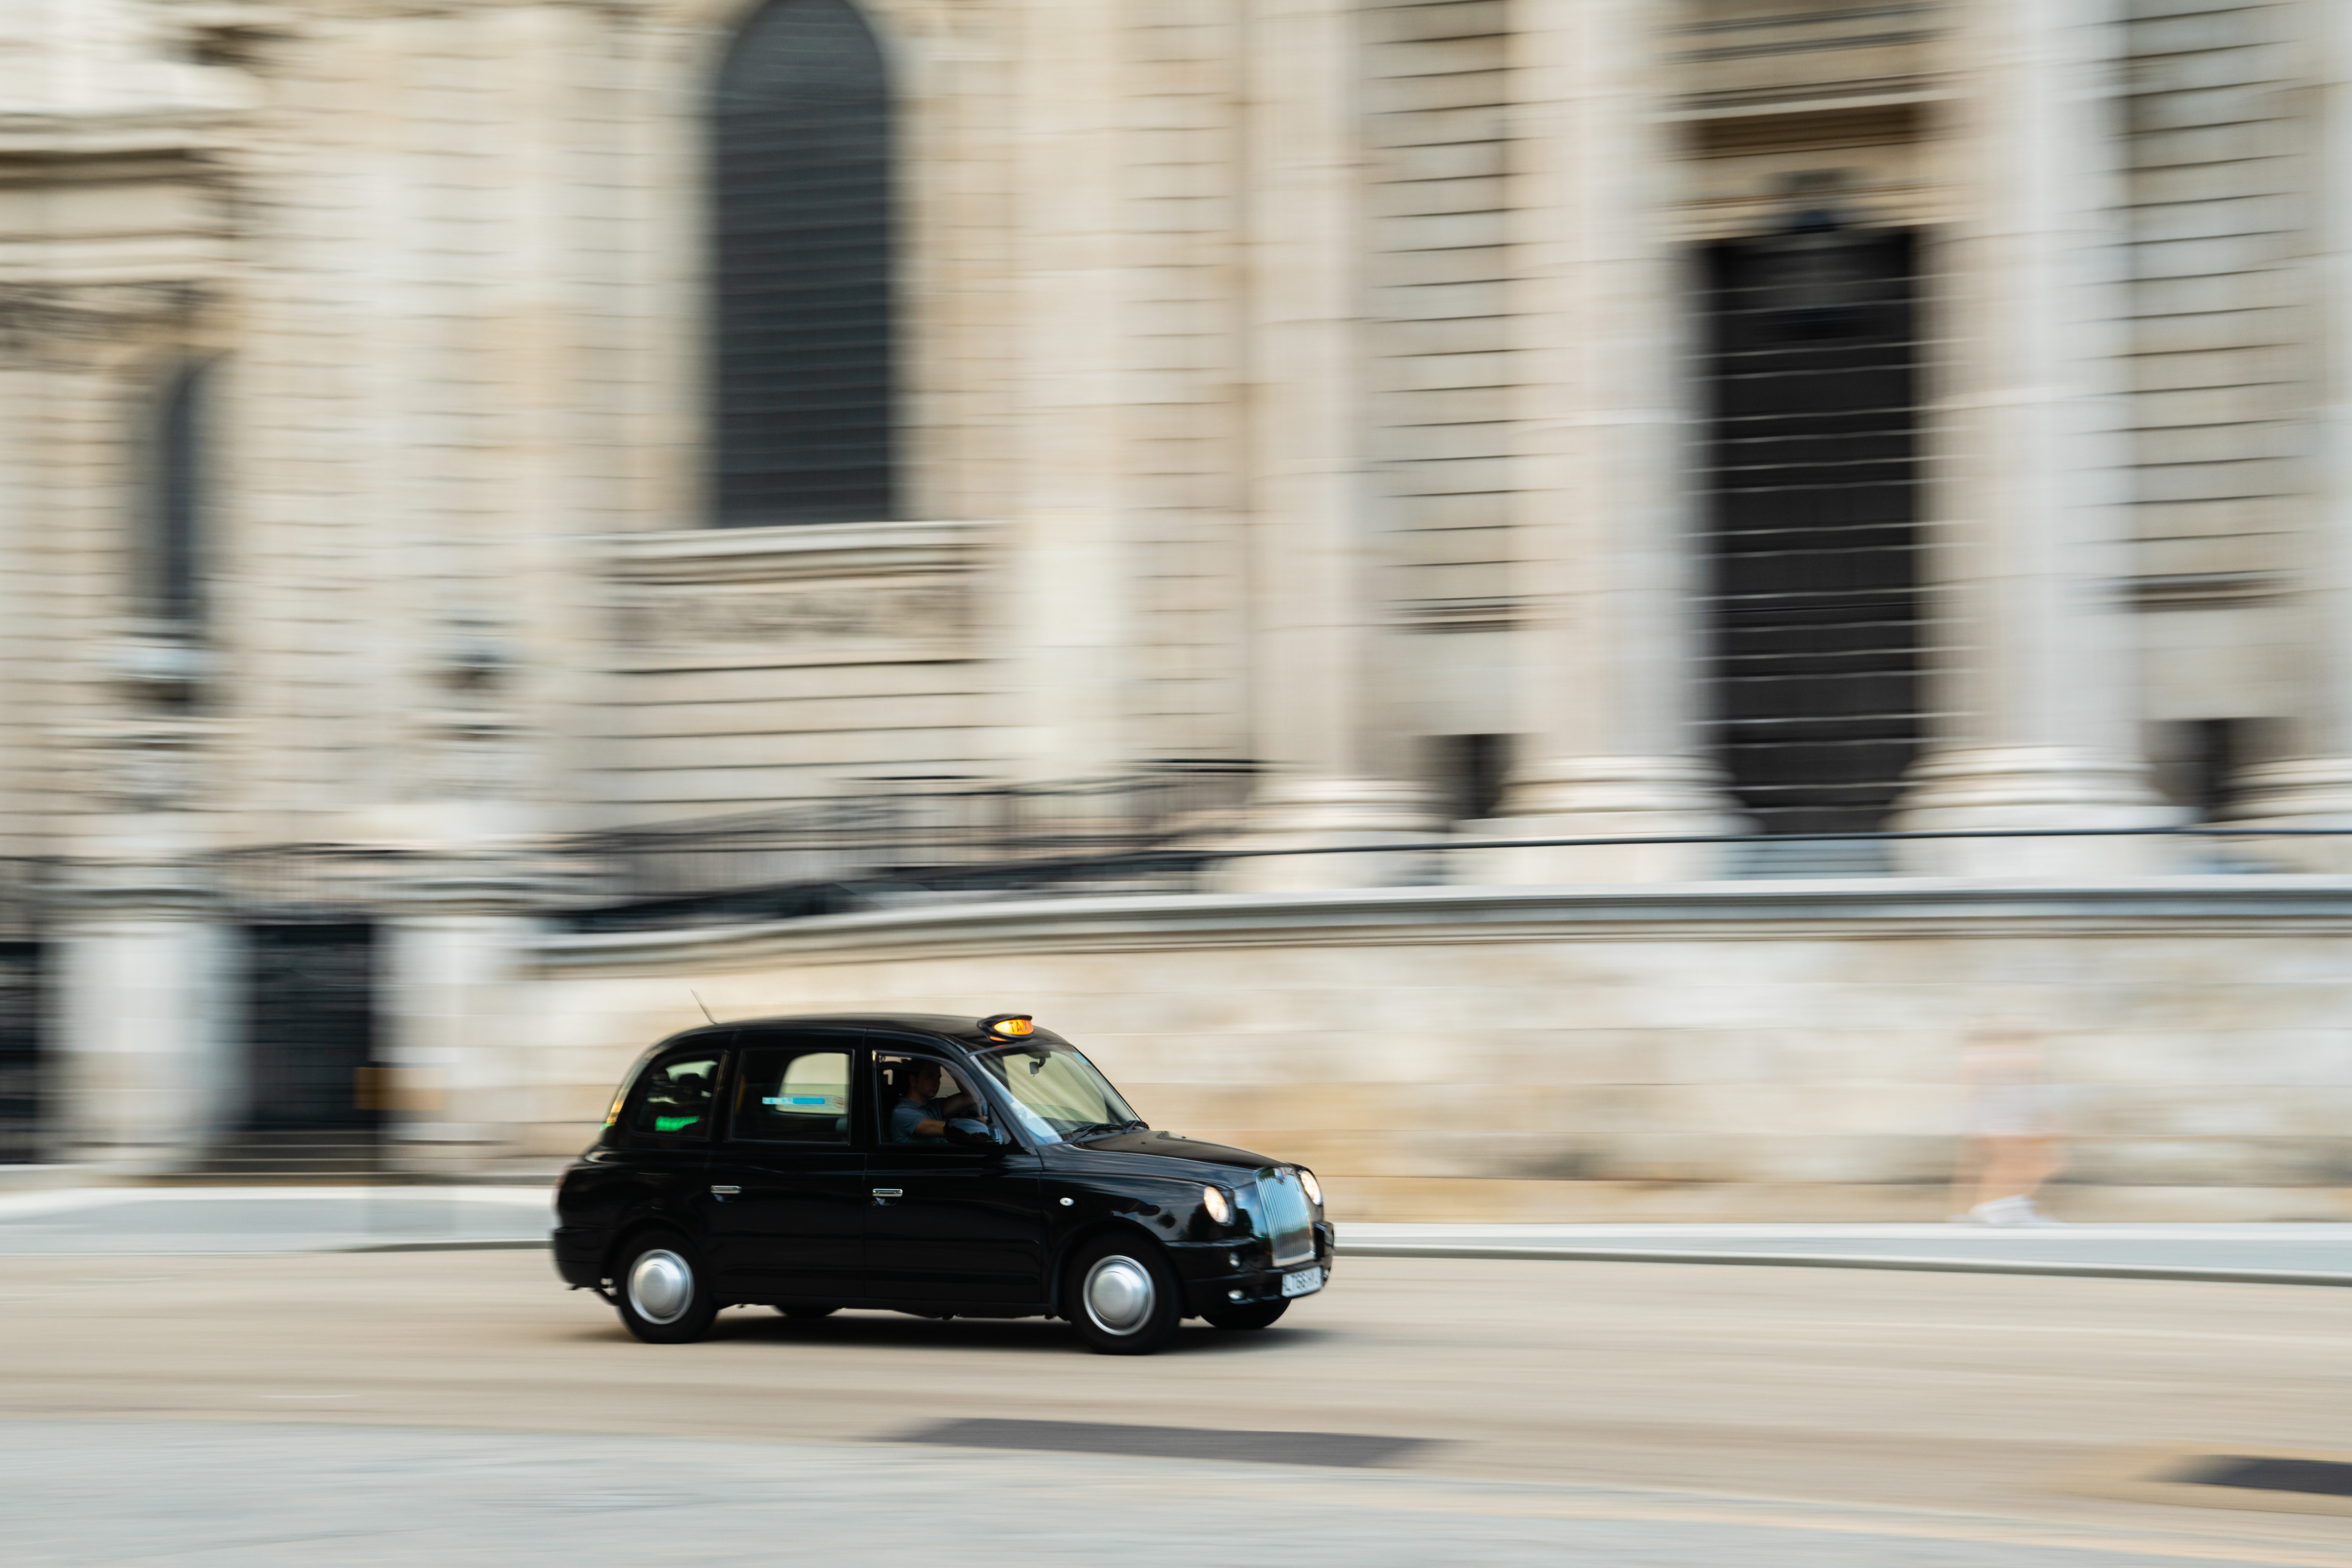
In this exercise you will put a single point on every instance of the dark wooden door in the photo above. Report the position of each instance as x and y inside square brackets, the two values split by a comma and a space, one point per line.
[20, 1052]
[309, 1027]
[1813, 492]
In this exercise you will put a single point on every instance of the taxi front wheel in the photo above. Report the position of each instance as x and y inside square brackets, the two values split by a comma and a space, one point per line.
[1121, 1297]
[661, 1292]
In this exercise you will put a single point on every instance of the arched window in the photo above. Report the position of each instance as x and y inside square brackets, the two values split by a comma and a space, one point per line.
[801, 320]
[171, 566]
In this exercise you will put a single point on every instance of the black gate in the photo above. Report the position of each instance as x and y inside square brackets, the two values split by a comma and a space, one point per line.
[1812, 372]
[310, 1028]
[20, 1053]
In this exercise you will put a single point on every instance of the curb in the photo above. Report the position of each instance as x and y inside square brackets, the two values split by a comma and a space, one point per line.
[1896, 1263]
[1834, 1260]
[531, 1245]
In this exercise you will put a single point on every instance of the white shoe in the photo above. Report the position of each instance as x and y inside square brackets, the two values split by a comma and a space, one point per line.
[2002, 1211]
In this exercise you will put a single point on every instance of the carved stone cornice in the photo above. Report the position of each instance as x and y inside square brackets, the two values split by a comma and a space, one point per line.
[133, 885]
[1492, 614]
[373, 10]
[791, 552]
[150, 761]
[32, 314]
[64, 145]
[2207, 590]
[234, 32]
[801, 595]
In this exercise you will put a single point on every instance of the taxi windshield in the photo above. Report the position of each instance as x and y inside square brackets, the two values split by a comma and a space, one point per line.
[1057, 1094]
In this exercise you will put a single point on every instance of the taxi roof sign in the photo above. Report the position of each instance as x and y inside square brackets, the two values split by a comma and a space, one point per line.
[1009, 1025]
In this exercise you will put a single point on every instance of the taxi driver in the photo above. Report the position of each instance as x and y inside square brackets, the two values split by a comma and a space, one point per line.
[921, 1116]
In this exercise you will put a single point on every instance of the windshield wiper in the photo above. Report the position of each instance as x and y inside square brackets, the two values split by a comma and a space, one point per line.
[1107, 1128]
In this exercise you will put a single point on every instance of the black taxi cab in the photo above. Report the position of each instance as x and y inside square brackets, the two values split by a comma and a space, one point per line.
[942, 1166]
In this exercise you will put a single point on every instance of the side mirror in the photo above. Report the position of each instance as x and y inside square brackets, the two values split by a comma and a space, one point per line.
[970, 1133]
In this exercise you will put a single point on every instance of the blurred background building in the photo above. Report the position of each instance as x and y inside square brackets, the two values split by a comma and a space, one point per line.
[517, 511]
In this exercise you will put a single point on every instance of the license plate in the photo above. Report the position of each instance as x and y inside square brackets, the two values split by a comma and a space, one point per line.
[1302, 1282]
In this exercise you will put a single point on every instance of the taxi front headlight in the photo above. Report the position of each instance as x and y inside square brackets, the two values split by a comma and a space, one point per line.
[1220, 1208]
[1314, 1188]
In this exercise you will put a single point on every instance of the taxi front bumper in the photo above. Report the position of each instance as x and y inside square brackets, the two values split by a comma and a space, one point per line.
[580, 1255]
[1213, 1283]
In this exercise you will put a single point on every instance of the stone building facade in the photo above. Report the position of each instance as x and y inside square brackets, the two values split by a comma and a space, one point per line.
[470, 467]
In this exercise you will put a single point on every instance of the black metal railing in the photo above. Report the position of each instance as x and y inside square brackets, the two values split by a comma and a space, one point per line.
[916, 837]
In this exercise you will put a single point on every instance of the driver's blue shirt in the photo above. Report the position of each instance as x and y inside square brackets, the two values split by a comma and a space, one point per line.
[907, 1114]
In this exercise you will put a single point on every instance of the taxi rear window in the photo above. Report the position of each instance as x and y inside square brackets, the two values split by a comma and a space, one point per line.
[788, 1094]
[677, 1095]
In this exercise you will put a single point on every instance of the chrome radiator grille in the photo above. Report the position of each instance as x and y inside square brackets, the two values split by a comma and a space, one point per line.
[1284, 1215]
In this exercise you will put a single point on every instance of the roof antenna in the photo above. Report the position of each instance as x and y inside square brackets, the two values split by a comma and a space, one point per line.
[699, 1001]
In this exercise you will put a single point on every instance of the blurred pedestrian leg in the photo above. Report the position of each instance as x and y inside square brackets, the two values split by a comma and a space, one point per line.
[2013, 1135]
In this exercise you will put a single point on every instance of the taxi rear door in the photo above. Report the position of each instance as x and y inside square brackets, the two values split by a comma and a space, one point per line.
[788, 1183]
[662, 1142]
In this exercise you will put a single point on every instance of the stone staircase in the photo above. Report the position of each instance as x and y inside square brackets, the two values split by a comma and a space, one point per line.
[1804, 859]
[327, 1156]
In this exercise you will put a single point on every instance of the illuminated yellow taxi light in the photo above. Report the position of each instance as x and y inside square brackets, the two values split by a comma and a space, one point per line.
[1009, 1025]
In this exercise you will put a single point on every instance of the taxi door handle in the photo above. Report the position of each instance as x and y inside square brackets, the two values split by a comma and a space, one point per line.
[724, 1191]
[882, 1195]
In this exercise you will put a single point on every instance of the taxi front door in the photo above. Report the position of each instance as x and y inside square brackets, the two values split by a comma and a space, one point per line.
[945, 1223]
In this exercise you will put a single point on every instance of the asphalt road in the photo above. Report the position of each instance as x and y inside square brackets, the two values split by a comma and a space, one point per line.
[461, 1407]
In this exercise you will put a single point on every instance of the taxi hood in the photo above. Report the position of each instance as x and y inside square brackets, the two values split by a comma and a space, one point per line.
[1176, 1146]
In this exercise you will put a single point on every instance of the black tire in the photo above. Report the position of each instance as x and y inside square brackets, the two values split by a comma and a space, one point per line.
[1121, 1295]
[661, 1289]
[801, 1309]
[1247, 1315]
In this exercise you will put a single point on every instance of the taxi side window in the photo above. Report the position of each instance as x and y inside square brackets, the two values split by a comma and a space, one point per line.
[898, 1113]
[677, 1096]
[788, 1096]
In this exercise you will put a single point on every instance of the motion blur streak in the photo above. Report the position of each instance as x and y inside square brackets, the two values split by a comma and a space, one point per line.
[1575, 613]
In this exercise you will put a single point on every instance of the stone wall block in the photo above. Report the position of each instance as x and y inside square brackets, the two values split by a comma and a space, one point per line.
[2212, 1071]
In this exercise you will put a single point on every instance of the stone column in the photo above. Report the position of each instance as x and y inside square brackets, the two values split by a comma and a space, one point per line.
[1067, 592]
[145, 987]
[2313, 788]
[1311, 598]
[2030, 548]
[1609, 738]
[457, 1043]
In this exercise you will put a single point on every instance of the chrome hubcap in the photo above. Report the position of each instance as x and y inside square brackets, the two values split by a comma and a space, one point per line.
[661, 1286]
[1119, 1295]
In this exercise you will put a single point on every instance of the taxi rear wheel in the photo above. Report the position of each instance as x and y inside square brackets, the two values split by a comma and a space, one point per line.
[660, 1289]
[1249, 1315]
[1121, 1297]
